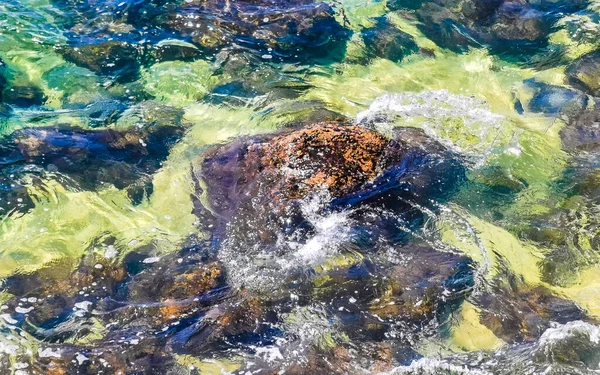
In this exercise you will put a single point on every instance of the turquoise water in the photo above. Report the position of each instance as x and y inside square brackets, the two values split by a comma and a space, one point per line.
[139, 236]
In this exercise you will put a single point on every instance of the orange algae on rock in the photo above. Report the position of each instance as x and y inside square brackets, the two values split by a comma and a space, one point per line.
[328, 155]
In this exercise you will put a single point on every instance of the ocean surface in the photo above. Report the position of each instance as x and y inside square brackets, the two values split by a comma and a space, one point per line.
[160, 212]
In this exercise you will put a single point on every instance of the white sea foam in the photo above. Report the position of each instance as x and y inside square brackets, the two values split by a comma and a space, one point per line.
[462, 123]
[561, 332]
[259, 267]
[428, 366]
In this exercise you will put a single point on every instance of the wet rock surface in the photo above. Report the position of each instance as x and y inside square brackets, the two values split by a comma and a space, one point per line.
[351, 163]
[319, 246]
[190, 303]
[280, 30]
[520, 314]
[582, 133]
[510, 26]
[92, 158]
[113, 58]
[551, 100]
[386, 41]
[338, 200]
[584, 73]
[23, 96]
[287, 28]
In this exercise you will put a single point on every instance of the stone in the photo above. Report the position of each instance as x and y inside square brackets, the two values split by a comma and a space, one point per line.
[256, 181]
[566, 6]
[584, 73]
[582, 133]
[552, 99]
[386, 41]
[174, 50]
[112, 58]
[288, 28]
[521, 313]
[23, 96]
[93, 158]
[512, 26]
[337, 158]
[104, 113]
[516, 23]
[421, 285]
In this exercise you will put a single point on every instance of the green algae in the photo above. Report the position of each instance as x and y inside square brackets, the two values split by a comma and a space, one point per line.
[493, 247]
[179, 83]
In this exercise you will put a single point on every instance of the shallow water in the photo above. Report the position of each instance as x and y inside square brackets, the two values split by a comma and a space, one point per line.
[127, 247]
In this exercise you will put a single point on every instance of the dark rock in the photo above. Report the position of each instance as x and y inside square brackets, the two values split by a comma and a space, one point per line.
[254, 82]
[551, 100]
[174, 51]
[152, 114]
[2, 75]
[519, 314]
[511, 26]
[14, 196]
[582, 133]
[480, 10]
[288, 28]
[426, 284]
[386, 41]
[179, 303]
[444, 27]
[18, 95]
[171, 289]
[516, 23]
[113, 58]
[566, 6]
[404, 4]
[56, 291]
[92, 158]
[104, 113]
[23, 96]
[584, 73]
[255, 185]
[340, 159]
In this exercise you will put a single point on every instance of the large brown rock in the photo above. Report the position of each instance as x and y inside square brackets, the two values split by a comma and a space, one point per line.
[325, 157]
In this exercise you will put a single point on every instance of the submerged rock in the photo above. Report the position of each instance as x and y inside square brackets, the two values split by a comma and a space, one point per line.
[504, 25]
[293, 199]
[92, 158]
[287, 28]
[582, 133]
[254, 82]
[174, 50]
[519, 314]
[18, 94]
[341, 160]
[551, 99]
[23, 96]
[584, 73]
[386, 41]
[112, 58]
[104, 113]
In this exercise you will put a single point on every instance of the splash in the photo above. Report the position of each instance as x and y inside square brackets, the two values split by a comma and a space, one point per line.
[462, 123]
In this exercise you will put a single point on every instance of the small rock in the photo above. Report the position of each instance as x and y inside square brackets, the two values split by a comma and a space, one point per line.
[551, 99]
[288, 27]
[582, 133]
[584, 73]
[112, 58]
[23, 96]
[386, 41]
